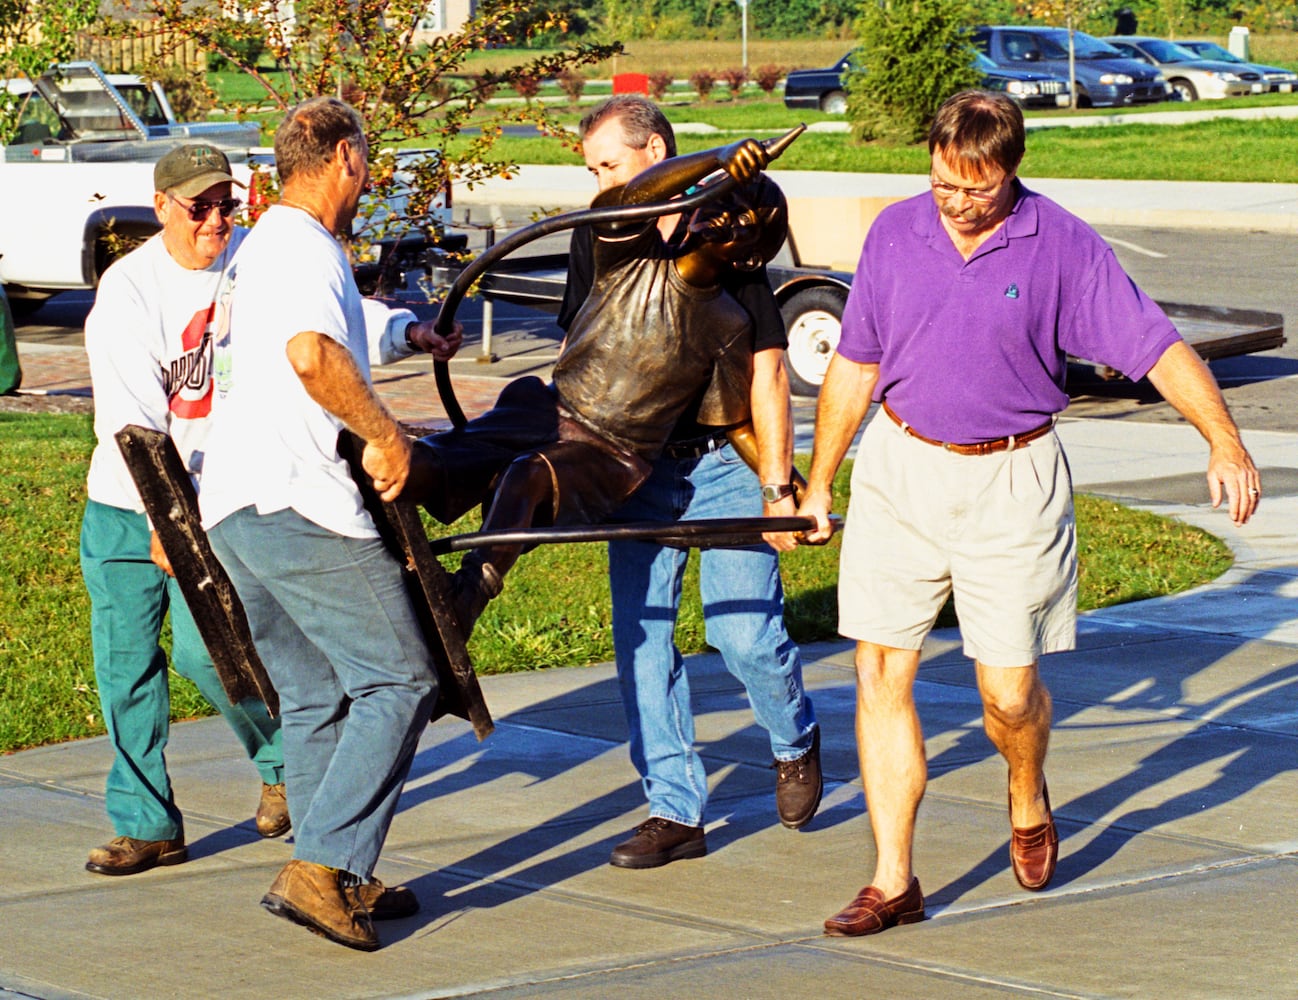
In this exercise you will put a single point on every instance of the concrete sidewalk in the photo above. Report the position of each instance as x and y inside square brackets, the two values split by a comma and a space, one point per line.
[1172, 770]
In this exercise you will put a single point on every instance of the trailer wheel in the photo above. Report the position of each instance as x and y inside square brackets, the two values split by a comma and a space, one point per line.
[813, 318]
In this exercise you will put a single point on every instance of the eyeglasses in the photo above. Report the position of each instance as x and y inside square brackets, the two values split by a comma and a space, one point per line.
[200, 210]
[973, 194]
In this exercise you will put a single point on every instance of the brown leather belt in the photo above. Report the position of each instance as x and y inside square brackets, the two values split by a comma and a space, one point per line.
[980, 448]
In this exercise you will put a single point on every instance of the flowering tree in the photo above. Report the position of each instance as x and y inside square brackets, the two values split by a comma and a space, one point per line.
[32, 36]
[410, 93]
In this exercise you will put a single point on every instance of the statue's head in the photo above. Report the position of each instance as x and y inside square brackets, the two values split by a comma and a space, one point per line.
[747, 225]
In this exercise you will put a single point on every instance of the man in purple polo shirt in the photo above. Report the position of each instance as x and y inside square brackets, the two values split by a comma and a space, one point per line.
[962, 312]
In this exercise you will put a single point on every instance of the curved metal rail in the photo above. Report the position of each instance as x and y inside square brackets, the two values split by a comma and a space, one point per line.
[558, 223]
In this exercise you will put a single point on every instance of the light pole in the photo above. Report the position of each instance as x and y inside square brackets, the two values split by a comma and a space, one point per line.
[743, 20]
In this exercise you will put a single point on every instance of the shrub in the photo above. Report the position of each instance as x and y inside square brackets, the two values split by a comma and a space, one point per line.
[703, 82]
[913, 57]
[572, 83]
[659, 83]
[768, 77]
[734, 79]
[527, 86]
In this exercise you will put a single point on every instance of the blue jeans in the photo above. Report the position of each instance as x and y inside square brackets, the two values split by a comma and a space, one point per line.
[743, 610]
[333, 624]
[129, 597]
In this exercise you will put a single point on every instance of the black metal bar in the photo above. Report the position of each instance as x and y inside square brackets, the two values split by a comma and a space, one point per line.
[714, 532]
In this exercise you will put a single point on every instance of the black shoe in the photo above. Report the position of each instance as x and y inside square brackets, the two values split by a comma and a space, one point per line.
[798, 786]
[473, 586]
[658, 842]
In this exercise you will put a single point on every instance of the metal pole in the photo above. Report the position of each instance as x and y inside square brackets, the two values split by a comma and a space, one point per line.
[743, 20]
[488, 311]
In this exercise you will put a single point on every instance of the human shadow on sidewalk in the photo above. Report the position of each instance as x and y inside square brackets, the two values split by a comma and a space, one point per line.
[1230, 739]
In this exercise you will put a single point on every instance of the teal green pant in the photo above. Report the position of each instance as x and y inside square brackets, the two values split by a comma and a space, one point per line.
[11, 373]
[129, 596]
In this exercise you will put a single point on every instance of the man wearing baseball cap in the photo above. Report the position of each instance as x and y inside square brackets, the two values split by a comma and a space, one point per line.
[148, 339]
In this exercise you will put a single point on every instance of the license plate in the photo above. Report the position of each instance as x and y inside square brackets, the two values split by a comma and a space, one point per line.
[1286, 88]
[1063, 100]
[1257, 88]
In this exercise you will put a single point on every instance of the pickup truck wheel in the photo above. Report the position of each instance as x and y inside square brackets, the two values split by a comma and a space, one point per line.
[813, 319]
[834, 103]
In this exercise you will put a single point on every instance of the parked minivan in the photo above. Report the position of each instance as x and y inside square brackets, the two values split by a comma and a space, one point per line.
[1103, 77]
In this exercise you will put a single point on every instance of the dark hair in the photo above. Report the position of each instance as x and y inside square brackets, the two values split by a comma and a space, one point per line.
[767, 200]
[979, 129]
[640, 118]
[305, 142]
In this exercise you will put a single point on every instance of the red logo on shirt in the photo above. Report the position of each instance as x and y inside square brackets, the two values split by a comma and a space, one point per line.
[188, 379]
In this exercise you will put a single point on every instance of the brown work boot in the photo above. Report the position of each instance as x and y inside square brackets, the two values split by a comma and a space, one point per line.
[387, 903]
[314, 896]
[126, 855]
[272, 811]
[473, 585]
[799, 785]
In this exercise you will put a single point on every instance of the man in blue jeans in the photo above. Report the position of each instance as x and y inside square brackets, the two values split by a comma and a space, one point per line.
[700, 476]
[326, 603]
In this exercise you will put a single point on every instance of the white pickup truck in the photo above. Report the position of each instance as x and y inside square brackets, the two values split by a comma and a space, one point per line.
[81, 168]
[82, 165]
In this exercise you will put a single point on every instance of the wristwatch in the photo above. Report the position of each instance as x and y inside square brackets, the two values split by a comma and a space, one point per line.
[774, 493]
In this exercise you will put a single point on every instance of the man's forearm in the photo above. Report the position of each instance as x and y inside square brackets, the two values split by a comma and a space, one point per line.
[772, 417]
[332, 378]
[844, 401]
[1181, 377]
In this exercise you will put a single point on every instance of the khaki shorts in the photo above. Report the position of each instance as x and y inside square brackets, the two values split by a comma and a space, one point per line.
[996, 530]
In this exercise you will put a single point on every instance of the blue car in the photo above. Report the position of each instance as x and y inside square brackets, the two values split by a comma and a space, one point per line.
[1103, 78]
[824, 90]
[1026, 88]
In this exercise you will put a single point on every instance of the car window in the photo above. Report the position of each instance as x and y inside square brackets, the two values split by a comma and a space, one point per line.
[1021, 46]
[144, 102]
[1211, 50]
[1130, 51]
[1084, 46]
[1163, 51]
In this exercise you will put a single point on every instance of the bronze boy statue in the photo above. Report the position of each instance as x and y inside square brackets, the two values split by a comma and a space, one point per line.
[656, 331]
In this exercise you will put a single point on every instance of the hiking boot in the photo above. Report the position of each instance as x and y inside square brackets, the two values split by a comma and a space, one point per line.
[272, 811]
[127, 856]
[657, 842]
[313, 895]
[387, 902]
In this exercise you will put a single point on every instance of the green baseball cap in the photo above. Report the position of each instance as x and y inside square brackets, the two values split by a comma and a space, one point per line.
[191, 169]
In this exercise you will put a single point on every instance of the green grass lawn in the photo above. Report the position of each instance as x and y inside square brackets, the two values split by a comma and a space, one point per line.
[554, 611]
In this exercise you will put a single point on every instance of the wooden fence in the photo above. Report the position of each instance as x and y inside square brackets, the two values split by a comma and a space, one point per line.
[156, 46]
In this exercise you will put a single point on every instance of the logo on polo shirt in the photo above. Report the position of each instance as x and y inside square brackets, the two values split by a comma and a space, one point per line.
[1012, 292]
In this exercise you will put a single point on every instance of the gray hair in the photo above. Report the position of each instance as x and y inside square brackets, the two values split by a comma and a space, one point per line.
[305, 142]
[640, 118]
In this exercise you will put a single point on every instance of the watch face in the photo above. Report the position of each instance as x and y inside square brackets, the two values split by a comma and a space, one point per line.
[774, 494]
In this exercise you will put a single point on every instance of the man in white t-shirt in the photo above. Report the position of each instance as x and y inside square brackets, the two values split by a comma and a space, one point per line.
[326, 602]
[148, 339]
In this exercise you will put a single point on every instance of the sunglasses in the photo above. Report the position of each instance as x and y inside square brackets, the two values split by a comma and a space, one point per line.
[200, 210]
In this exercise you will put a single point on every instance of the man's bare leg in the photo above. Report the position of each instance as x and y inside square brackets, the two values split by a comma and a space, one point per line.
[893, 766]
[1016, 717]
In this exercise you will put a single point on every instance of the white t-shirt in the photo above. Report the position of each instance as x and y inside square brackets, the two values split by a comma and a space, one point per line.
[149, 343]
[271, 445]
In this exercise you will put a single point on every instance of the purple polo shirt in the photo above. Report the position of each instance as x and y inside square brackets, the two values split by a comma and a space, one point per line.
[976, 350]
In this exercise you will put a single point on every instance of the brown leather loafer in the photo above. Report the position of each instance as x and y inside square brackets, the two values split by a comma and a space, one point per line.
[1035, 850]
[313, 896]
[272, 811]
[799, 786]
[126, 855]
[870, 913]
[387, 902]
[658, 842]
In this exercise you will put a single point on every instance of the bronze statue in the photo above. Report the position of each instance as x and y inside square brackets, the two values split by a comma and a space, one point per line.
[656, 331]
